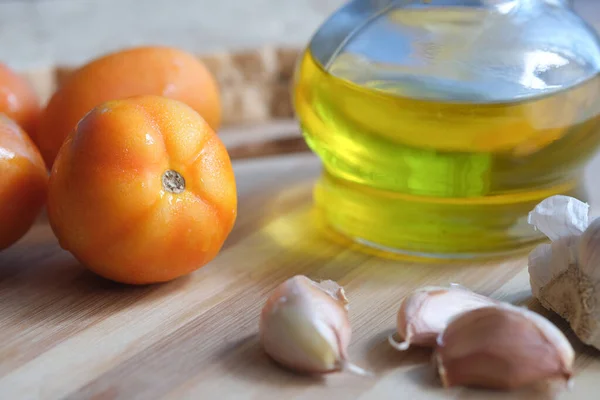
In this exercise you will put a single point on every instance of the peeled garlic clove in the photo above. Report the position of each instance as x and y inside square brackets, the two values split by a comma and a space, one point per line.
[305, 327]
[502, 347]
[425, 313]
[560, 216]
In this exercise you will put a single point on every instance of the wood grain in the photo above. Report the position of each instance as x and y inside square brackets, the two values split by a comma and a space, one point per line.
[67, 334]
[275, 138]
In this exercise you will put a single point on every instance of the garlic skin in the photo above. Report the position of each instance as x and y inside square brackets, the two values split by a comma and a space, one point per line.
[424, 313]
[305, 327]
[589, 250]
[586, 321]
[564, 274]
[550, 262]
[560, 216]
[502, 347]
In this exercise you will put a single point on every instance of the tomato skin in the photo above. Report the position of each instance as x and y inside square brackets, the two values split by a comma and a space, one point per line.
[139, 71]
[18, 100]
[108, 201]
[23, 185]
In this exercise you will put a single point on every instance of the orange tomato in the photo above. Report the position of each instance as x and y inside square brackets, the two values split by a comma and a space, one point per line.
[140, 71]
[18, 101]
[142, 191]
[23, 182]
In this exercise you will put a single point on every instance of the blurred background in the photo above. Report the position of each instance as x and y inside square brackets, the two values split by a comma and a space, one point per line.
[38, 33]
[35, 33]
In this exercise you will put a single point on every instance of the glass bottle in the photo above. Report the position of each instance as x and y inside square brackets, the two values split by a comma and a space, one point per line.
[442, 123]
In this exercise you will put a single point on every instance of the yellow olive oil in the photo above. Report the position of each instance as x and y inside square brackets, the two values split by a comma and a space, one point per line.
[436, 176]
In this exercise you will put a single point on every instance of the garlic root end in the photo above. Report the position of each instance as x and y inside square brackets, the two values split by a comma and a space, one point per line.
[355, 369]
[437, 359]
[400, 346]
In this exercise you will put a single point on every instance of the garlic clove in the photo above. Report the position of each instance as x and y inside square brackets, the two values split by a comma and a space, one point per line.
[305, 327]
[560, 216]
[589, 251]
[296, 341]
[583, 299]
[502, 347]
[547, 262]
[425, 313]
[334, 290]
[564, 274]
[538, 262]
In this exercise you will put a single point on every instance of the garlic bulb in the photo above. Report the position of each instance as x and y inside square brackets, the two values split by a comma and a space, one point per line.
[304, 326]
[502, 347]
[425, 313]
[564, 274]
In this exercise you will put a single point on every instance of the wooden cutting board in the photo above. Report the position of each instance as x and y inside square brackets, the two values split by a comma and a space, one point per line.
[65, 333]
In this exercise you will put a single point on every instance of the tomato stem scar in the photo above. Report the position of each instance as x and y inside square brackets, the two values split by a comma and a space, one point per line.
[173, 181]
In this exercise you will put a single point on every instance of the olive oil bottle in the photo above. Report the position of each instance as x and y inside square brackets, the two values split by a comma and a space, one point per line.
[441, 124]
